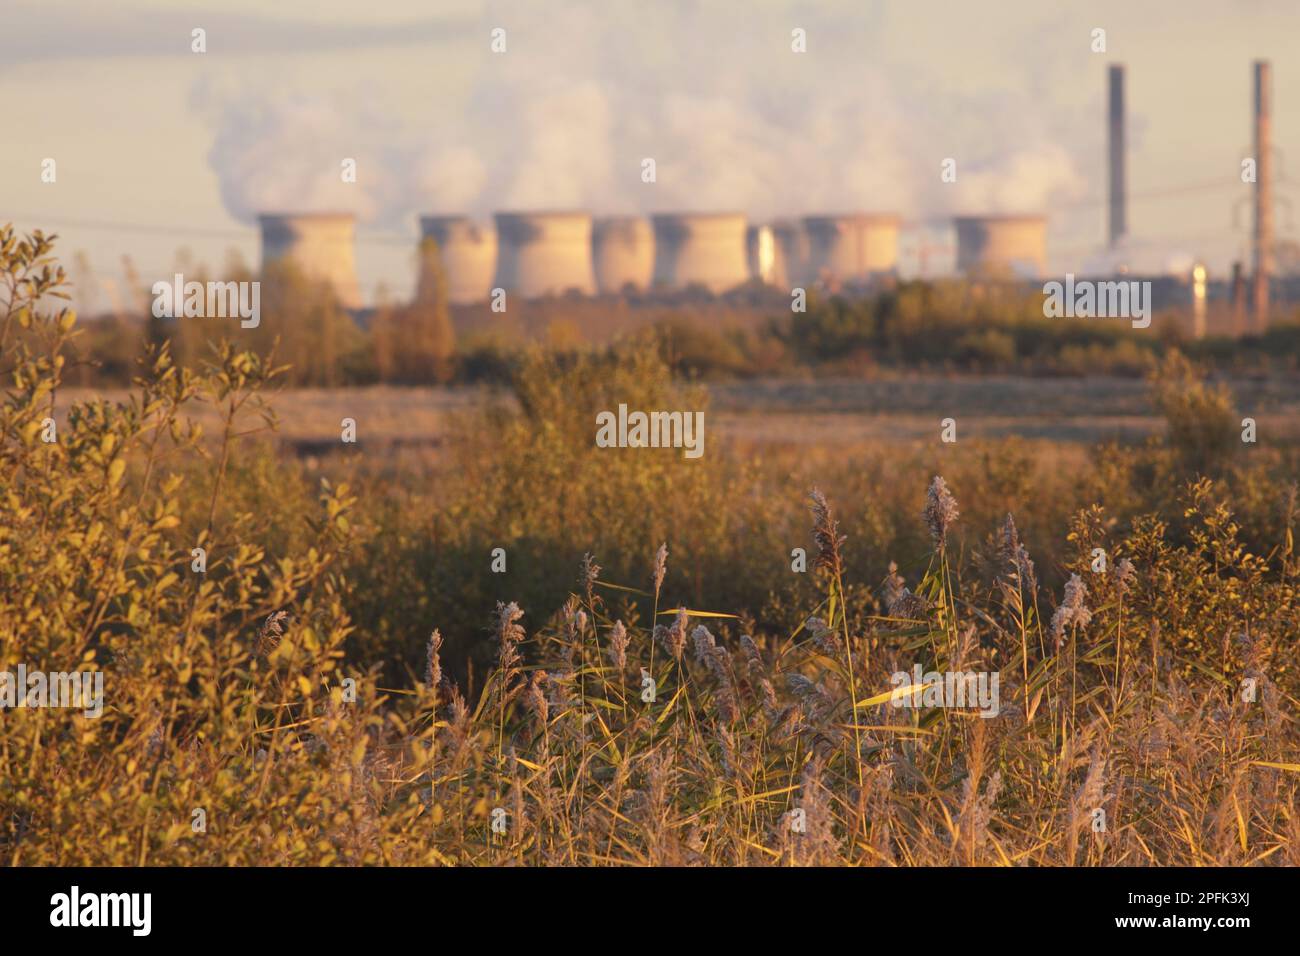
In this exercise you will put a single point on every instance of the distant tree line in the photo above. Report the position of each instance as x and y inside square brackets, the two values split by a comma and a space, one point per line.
[938, 326]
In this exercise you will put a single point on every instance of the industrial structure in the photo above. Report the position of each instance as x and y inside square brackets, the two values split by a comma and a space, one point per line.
[544, 253]
[622, 254]
[1116, 168]
[1263, 234]
[536, 254]
[760, 253]
[1001, 247]
[852, 248]
[700, 249]
[467, 253]
[790, 262]
[318, 245]
[778, 254]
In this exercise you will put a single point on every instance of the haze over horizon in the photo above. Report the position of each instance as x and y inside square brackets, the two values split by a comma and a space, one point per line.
[159, 148]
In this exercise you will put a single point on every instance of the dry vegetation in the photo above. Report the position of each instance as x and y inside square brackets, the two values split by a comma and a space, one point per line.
[229, 690]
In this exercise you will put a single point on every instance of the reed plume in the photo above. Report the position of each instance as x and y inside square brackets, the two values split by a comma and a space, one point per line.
[940, 511]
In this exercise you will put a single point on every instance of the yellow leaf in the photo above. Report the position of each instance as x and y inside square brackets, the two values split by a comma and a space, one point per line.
[1033, 707]
[897, 693]
[692, 613]
[668, 709]
[1241, 823]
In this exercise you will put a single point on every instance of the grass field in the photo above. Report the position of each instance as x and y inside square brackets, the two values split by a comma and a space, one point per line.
[810, 411]
[506, 646]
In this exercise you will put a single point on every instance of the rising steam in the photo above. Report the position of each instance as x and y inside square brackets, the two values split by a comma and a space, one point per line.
[565, 117]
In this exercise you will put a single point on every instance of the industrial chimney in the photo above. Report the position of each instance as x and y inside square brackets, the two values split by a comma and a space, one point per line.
[1263, 252]
[1117, 177]
[319, 245]
[468, 254]
[622, 254]
[544, 253]
[1001, 246]
[705, 249]
[851, 248]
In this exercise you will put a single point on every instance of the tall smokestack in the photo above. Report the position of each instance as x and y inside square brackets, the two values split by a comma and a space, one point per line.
[319, 245]
[1118, 188]
[1263, 189]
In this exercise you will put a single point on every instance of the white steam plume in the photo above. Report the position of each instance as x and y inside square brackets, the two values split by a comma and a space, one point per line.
[733, 119]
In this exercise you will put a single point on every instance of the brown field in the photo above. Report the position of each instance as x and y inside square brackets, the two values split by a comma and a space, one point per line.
[835, 412]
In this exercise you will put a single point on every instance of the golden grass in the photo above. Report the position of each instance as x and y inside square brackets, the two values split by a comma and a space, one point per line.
[277, 691]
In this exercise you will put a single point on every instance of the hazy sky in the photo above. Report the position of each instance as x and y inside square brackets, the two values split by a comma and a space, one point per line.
[159, 149]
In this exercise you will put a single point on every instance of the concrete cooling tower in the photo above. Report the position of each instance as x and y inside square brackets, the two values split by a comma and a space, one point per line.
[319, 245]
[851, 248]
[760, 253]
[468, 254]
[544, 253]
[790, 263]
[622, 254]
[705, 249]
[1001, 246]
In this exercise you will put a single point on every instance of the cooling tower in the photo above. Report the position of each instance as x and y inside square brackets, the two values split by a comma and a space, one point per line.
[760, 253]
[319, 245]
[1001, 246]
[468, 254]
[544, 253]
[790, 263]
[851, 248]
[777, 254]
[705, 249]
[622, 254]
